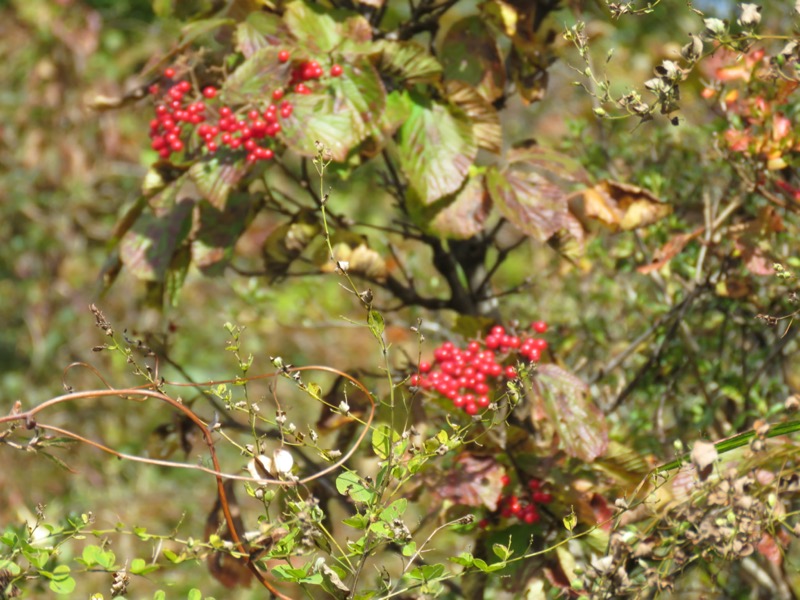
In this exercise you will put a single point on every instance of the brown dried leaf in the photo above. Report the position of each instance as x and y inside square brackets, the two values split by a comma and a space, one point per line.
[465, 216]
[670, 250]
[704, 454]
[484, 117]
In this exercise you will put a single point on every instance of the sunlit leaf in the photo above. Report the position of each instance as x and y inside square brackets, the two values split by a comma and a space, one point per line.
[436, 148]
[485, 120]
[581, 426]
[191, 31]
[341, 115]
[408, 62]
[259, 30]
[470, 53]
[258, 76]
[670, 250]
[215, 177]
[324, 30]
[465, 216]
[621, 205]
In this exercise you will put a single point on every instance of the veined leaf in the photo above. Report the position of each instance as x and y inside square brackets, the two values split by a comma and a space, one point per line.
[259, 30]
[324, 30]
[216, 231]
[259, 75]
[215, 177]
[469, 53]
[466, 214]
[484, 117]
[580, 424]
[436, 147]
[408, 62]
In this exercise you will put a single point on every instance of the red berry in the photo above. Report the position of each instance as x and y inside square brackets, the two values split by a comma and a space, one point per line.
[153, 89]
[301, 88]
[541, 497]
[539, 326]
[283, 56]
[511, 372]
[424, 366]
[277, 94]
[336, 70]
[471, 408]
[505, 480]
[210, 91]
[184, 86]
[169, 73]
[534, 485]
[212, 146]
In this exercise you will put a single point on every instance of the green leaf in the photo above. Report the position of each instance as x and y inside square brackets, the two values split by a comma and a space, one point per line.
[196, 29]
[140, 567]
[340, 115]
[502, 552]
[60, 580]
[394, 511]
[215, 177]
[382, 438]
[465, 559]
[176, 275]
[409, 549]
[194, 594]
[257, 77]
[172, 557]
[436, 148]
[259, 30]
[481, 564]
[381, 529]
[375, 323]
[427, 572]
[10, 566]
[350, 484]
[95, 555]
[159, 595]
[570, 520]
[148, 248]
[358, 521]
[580, 424]
[408, 62]
[324, 30]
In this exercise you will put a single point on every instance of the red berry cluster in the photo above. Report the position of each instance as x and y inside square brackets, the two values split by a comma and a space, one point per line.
[179, 113]
[463, 375]
[523, 506]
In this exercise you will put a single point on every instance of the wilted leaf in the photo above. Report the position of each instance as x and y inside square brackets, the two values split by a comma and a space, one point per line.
[484, 117]
[704, 454]
[622, 206]
[407, 62]
[215, 177]
[341, 115]
[580, 424]
[469, 53]
[472, 481]
[361, 260]
[670, 250]
[436, 148]
[285, 243]
[528, 69]
[147, 249]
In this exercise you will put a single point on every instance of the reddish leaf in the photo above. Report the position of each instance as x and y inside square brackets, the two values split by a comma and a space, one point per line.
[472, 481]
[579, 423]
[484, 117]
[215, 177]
[770, 549]
[469, 53]
[466, 215]
[148, 247]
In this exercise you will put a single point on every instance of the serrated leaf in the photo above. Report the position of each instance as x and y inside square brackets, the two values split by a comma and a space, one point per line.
[324, 30]
[148, 247]
[215, 177]
[485, 120]
[470, 53]
[581, 426]
[341, 115]
[257, 77]
[259, 30]
[196, 29]
[350, 484]
[535, 205]
[436, 148]
[408, 62]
